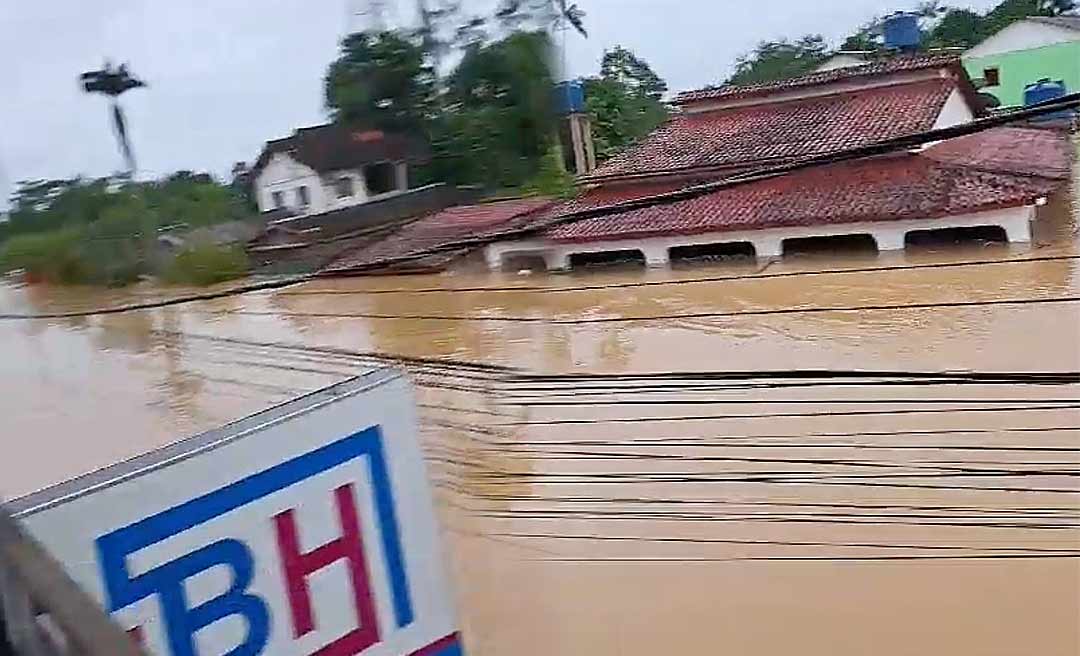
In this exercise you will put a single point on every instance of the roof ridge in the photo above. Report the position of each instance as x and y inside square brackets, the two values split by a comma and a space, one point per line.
[982, 168]
[881, 67]
[1067, 21]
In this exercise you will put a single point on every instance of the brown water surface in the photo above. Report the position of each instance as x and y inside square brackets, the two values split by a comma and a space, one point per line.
[923, 532]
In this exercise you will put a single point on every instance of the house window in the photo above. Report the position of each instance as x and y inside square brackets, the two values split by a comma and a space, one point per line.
[381, 178]
[992, 76]
[344, 187]
[279, 199]
[302, 197]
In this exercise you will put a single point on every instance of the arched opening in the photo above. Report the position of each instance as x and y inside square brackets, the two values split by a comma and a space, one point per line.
[517, 262]
[830, 246]
[606, 259]
[701, 254]
[989, 235]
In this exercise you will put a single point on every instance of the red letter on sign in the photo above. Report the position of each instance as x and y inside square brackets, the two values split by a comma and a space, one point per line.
[298, 566]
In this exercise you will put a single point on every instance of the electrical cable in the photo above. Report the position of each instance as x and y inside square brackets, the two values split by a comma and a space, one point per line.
[666, 317]
[684, 281]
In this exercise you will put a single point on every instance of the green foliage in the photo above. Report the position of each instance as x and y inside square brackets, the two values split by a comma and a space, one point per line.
[206, 264]
[497, 121]
[381, 80]
[552, 179]
[52, 256]
[104, 232]
[943, 26]
[956, 27]
[624, 102]
[777, 60]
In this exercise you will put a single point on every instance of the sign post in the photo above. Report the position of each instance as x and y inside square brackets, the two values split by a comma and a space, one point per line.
[305, 529]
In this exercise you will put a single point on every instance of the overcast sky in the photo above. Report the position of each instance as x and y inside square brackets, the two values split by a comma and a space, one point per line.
[226, 75]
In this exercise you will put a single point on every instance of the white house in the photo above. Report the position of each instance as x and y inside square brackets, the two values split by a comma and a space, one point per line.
[986, 185]
[329, 167]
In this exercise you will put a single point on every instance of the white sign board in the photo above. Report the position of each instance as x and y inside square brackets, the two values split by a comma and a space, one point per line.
[306, 529]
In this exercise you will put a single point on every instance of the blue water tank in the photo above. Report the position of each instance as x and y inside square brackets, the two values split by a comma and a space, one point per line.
[1043, 91]
[1046, 90]
[569, 97]
[902, 31]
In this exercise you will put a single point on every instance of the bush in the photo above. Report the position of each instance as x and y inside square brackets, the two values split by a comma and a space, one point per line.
[206, 264]
[52, 256]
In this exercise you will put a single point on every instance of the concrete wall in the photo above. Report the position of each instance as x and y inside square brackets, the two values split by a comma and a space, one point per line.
[888, 235]
[284, 174]
[955, 111]
[1059, 61]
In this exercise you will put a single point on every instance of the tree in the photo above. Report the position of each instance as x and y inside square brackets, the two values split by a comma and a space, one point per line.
[498, 121]
[957, 28]
[113, 83]
[624, 102]
[380, 80]
[778, 60]
[624, 67]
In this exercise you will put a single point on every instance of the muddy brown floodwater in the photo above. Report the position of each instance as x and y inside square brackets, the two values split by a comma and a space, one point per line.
[638, 516]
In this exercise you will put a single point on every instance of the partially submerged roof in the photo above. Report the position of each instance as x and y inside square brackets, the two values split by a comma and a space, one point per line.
[441, 229]
[1005, 167]
[772, 133]
[335, 147]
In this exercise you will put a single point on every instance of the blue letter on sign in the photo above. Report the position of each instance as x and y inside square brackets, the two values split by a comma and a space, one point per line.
[167, 581]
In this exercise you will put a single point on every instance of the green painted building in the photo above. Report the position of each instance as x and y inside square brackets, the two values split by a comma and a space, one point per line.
[1025, 52]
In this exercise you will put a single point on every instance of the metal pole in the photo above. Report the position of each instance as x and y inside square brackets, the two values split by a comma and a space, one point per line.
[30, 578]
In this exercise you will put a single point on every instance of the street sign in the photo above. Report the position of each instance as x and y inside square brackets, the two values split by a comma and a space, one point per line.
[305, 529]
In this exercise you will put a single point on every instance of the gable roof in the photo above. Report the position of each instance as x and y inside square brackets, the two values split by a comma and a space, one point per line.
[1000, 168]
[335, 147]
[772, 133]
[884, 67]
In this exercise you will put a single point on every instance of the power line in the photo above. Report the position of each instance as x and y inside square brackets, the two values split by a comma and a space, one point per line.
[684, 281]
[663, 317]
[786, 415]
[647, 559]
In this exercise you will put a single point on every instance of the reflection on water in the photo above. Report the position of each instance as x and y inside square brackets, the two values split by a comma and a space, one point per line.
[611, 536]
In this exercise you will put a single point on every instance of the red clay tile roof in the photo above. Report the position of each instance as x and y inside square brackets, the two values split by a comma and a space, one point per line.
[884, 67]
[905, 186]
[775, 132]
[1009, 150]
[445, 227]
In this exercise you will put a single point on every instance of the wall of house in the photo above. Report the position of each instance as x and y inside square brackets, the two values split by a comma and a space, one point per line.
[955, 111]
[359, 189]
[1022, 35]
[284, 174]
[1060, 61]
[888, 235]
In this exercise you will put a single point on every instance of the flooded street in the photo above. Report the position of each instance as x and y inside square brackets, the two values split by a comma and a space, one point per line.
[630, 514]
